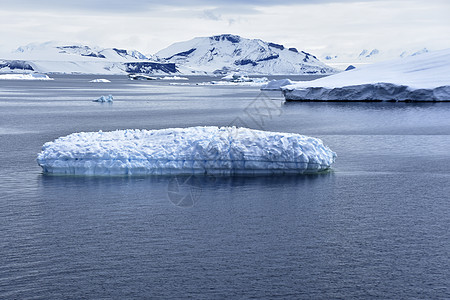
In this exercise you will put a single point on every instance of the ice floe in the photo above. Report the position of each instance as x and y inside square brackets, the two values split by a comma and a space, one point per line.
[194, 150]
[238, 81]
[100, 80]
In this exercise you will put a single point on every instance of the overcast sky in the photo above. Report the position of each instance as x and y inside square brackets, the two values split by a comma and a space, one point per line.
[317, 26]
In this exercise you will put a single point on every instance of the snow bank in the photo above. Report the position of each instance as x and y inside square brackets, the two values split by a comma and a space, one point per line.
[195, 150]
[276, 85]
[103, 99]
[100, 80]
[424, 77]
[30, 76]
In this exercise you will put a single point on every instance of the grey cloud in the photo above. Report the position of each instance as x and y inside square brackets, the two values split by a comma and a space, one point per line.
[121, 6]
[211, 15]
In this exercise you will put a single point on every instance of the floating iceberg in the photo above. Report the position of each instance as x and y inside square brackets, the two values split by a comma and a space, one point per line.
[276, 85]
[237, 77]
[100, 80]
[238, 80]
[174, 78]
[141, 77]
[103, 99]
[30, 76]
[195, 150]
[424, 77]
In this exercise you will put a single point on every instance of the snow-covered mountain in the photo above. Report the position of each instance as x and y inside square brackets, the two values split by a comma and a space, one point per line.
[52, 57]
[226, 53]
[364, 57]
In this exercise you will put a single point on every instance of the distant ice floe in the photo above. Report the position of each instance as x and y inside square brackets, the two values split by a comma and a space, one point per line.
[146, 77]
[103, 99]
[424, 77]
[173, 78]
[100, 80]
[195, 150]
[237, 79]
[29, 76]
[276, 85]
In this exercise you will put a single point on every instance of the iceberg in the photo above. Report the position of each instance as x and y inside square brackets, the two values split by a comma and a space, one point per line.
[103, 99]
[100, 80]
[238, 80]
[29, 76]
[174, 78]
[237, 77]
[424, 77]
[276, 85]
[185, 151]
[141, 77]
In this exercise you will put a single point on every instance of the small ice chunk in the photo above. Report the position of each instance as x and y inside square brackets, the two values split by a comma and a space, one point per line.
[103, 99]
[194, 150]
[174, 78]
[100, 80]
[276, 85]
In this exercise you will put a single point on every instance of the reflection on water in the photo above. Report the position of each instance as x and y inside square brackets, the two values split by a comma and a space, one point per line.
[182, 191]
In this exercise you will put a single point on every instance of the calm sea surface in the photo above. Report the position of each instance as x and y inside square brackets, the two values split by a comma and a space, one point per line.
[376, 227]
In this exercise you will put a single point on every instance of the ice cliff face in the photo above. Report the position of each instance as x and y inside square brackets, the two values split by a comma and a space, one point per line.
[424, 77]
[221, 54]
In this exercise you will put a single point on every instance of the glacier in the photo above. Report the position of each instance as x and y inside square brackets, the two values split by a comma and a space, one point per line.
[424, 77]
[194, 150]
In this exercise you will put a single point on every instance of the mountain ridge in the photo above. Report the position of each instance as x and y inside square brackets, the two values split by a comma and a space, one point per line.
[225, 53]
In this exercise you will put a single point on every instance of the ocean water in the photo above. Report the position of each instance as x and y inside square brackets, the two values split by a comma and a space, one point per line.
[375, 227]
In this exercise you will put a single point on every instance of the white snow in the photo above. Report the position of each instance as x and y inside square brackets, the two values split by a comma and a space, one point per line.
[195, 150]
[364, 57]
[227, 53]
[103, 99]
[29, 76]
[424, 77]
[100, 80]
[276, 85]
